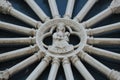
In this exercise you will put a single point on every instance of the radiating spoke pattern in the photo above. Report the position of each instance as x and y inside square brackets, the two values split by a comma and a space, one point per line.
[85, 10]
[18, 53]
[54, 8]
[17, 41]
[17, 29]
[54, 69]
[37, 10]
[39, 69]
[59, 31]
[67, 69]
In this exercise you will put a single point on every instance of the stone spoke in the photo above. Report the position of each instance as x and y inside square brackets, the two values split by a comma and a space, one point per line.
[18, 53]
[104, 29]
[39, 69]
[18, 67]
[36, 8]
[99, 17]
[80, 16]
[112, 9]
[81, 68]
[111, 74]
[6, 8]
[17, 41]
[104, 41]
[67, 69]
[54, 69]
[102, 53]
[25, 63]
[24, 18]
[61, 48]
[17, 29]
[54, 8]
[69, 9]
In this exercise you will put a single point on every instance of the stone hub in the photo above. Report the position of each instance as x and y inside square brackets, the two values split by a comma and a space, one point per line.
[60, 31]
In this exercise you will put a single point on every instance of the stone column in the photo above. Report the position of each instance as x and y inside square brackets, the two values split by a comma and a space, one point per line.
[18, 53]
[102, 53]
[103, 41]
[36, 8]
[5, 75]
[17, 29]
[67, 69]
[111, 74]
[81, 68]
[54, 69]
[114, 8]
[53, 8]
[83, 12]
[6, 8]
[39, 69]
[17, 41]
[69, 9]
[92, 21]
[103, 29]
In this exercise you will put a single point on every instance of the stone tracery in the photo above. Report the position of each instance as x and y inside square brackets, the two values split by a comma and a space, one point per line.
[60, 50]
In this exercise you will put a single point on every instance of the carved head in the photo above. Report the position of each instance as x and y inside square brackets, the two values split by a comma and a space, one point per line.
[61, 27]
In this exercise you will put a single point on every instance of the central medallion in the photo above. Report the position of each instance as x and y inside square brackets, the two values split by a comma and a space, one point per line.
[60, 32]
[60, 41]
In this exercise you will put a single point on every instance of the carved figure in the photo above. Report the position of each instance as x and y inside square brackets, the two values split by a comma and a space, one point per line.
[60, 40]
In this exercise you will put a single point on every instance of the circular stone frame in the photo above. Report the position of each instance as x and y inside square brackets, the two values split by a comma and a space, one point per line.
[76, 29]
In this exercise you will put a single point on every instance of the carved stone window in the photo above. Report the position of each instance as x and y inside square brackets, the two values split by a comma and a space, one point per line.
[60, 41]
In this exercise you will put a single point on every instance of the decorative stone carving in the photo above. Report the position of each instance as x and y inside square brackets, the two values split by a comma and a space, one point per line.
[54, 69]
[62, 49]
[5, 6]
[87, 7]
[60, 41]
[4, 75]
[81, 68]
[60, 37]
[36, 8]
[111, 74]
[115, 75]
[115, 6]
[54, 8]
[40, 68]
[67, 69]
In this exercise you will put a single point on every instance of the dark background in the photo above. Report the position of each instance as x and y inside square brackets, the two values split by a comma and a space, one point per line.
[24, 8]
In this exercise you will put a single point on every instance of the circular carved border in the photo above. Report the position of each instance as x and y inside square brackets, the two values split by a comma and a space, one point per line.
[75, 28]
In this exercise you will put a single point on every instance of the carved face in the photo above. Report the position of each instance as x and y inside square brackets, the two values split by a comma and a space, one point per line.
[61, 27]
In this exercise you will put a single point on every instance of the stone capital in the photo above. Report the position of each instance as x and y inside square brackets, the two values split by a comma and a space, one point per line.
[5, 6]
[47, 59]
[66, 61]
[82, 55]
[56, 61]
[4, 75]
[115, 6]
[75, 59]
[114, 75]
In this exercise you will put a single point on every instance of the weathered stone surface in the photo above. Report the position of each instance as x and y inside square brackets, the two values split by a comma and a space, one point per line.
[4, 75]
[115, 6]
[5, 6]
[115, 75]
